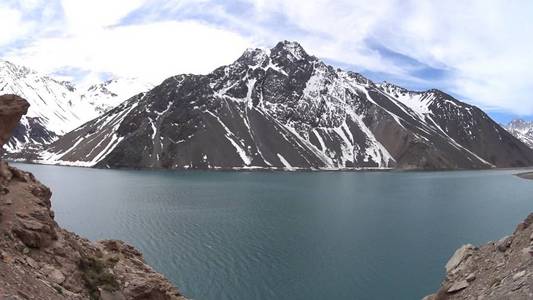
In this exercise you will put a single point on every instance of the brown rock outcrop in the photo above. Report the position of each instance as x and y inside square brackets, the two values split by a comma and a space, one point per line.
[40, 260]
[11, 109]
[497, 270]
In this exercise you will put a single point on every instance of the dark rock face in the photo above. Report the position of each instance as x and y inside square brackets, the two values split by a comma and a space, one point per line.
[283, 108]
[40, 260]
[473, 129]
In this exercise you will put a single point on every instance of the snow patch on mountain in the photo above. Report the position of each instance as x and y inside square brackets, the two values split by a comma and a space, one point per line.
[107, 95]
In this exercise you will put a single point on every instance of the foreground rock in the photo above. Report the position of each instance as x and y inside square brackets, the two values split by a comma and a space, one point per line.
[40, 260]
[498, 270]
[11, 108]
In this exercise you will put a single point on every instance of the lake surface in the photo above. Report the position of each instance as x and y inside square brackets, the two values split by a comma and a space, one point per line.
[300, 235]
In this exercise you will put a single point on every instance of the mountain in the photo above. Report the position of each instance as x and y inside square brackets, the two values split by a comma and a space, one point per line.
[57, 107]
[523, 130]
[106, 95]
[283, 108]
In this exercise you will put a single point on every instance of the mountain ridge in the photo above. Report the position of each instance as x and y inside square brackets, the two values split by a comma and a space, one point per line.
[282, 108]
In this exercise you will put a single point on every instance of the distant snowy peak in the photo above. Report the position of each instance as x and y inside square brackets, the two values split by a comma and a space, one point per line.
[521, 126]
[107, 95]
[57, 107]
[54, 106]
[523, 130]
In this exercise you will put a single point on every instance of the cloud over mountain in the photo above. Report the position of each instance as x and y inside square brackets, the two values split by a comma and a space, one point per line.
[476, 50]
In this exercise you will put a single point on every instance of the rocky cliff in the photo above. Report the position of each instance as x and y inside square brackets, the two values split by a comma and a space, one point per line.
[40, 260]
[497, 270]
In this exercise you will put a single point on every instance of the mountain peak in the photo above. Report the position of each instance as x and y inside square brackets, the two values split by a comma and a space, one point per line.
[254, 56]
[391, 87]
[520, 122]
[284, 53]
[522, 129]
[288, 44]
[14, 69]
[521, 125]
[291, 49]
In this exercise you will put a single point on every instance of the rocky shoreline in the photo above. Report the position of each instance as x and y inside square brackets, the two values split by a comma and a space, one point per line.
[40, 260]
[497, 270]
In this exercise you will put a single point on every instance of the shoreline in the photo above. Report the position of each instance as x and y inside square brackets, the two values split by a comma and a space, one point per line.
[527, 175]
[525, 170]
[260, 168]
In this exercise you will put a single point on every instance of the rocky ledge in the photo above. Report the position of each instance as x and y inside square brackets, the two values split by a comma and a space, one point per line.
[40, 260]
[497, 270]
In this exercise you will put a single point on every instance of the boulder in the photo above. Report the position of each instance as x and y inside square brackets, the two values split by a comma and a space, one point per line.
[503, 244]
[458, 286]
[32, 263]
[471, 277]
[53, 274]
[107, 295]
[30, 238]
[459, 256]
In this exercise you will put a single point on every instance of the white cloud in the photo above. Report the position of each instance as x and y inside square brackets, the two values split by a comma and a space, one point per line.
[83, 16]
[484, 45]
[11, 24]
[153, 51]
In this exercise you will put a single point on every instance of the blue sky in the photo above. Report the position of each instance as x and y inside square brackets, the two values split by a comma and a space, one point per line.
[478, 51]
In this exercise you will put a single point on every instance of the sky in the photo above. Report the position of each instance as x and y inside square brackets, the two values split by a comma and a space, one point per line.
[479, 50]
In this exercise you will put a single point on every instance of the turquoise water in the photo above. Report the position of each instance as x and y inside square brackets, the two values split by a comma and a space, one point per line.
[301, 235]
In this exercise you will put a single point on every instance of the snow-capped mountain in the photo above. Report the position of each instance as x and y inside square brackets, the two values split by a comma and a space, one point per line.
[523, 130]
[282, 108]
[56, 107]
[106, 95]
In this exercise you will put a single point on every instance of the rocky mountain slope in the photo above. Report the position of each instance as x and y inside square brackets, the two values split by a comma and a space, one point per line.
[58, 107]
[283, 108]
[498, 270]
[40, 260]
[522, 130]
